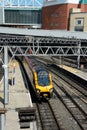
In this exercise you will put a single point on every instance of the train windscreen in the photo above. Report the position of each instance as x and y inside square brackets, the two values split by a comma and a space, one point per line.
[43, 78]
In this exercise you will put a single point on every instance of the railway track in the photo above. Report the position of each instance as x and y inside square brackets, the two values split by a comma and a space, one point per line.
[68, 115]
[52, 114]
[47, 117]
[44, 114]
[73, 96]
[65, 77]
[70, 84]
[80, 82]
[70, 102]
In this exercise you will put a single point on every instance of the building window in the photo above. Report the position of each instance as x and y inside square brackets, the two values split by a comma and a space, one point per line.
[56, 24]
[79, 24]
[52, 15]
[78, 28]
[79, 21]
[51, 24]
[56, 14]
[23, 16]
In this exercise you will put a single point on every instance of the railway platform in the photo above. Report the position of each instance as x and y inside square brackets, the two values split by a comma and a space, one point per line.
[79, 73]
[19, 97]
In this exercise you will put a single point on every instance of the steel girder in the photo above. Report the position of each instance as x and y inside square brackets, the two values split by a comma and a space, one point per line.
[42, 46]
[46, 50]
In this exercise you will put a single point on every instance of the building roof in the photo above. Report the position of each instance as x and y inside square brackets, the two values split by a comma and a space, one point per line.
[58, 2]
[46, 33]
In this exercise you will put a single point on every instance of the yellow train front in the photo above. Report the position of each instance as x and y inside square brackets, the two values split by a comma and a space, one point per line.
[43, 83]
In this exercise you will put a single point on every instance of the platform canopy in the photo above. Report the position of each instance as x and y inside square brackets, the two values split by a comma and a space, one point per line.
[44, 33]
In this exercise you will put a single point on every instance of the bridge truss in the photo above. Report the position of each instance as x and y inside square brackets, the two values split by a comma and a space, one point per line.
[42, 46]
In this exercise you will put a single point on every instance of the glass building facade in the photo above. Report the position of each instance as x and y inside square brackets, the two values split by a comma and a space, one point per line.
[83, 2]
[22, 16]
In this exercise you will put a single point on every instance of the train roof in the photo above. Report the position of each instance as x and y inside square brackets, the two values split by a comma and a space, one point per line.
[39, 68]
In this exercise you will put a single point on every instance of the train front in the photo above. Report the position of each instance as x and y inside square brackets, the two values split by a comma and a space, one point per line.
[43, 83]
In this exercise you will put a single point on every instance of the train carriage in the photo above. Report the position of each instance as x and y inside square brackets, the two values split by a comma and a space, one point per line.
[41, 78]
[43, 82]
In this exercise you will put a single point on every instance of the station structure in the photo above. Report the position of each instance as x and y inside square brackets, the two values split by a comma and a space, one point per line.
[26, 42]
[19, 42]
[45, 14]
[39, 42]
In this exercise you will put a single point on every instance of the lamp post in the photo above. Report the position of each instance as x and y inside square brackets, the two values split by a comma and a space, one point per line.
[5, 66]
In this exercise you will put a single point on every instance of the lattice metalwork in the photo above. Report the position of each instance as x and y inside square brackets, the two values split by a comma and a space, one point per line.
[30, 45]
[46, 50]
[20, 3]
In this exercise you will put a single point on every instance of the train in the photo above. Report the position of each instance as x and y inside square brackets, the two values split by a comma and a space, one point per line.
[40, 78]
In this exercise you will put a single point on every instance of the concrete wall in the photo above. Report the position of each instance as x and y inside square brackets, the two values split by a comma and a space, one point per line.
[74, 17]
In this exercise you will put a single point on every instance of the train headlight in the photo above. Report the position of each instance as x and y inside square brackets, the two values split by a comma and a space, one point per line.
[38, 91]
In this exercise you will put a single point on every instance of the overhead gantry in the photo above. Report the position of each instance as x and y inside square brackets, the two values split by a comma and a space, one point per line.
[42, 46]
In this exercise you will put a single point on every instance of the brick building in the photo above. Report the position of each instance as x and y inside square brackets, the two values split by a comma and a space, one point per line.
[56, 13]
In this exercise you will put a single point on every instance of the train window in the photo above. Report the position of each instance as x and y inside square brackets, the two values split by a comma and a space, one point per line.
[42, 73]
[43, 78]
